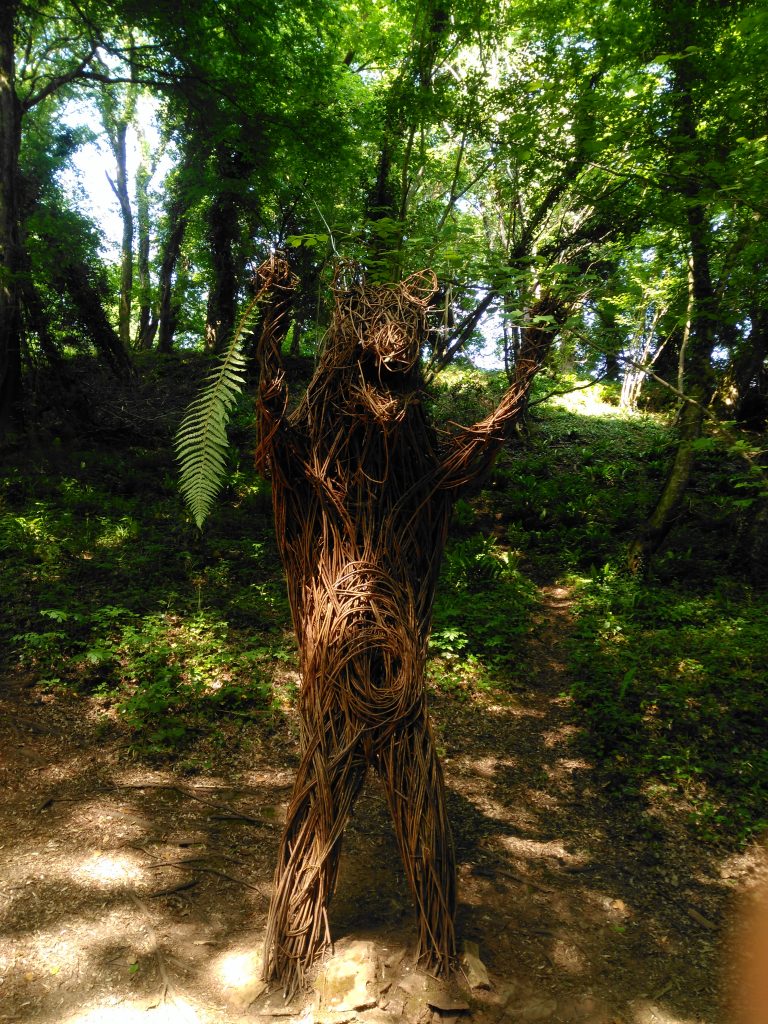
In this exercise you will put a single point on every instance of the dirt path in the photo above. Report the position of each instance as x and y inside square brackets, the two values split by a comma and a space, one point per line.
[128, 894]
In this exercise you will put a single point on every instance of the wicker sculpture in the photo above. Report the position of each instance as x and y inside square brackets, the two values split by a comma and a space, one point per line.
[362, 492]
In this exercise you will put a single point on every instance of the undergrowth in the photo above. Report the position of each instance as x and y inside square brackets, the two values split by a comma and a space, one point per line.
[168, 635]
[672, 686]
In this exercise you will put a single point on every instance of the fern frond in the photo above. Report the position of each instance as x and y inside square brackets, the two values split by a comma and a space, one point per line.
[201, 441]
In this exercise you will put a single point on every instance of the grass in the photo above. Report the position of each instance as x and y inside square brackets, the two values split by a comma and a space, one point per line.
[174, 637]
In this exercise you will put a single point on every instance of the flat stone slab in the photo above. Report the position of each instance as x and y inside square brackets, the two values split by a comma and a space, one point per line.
[347, 982]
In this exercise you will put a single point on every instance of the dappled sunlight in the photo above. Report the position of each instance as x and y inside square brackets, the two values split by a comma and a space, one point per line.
[92, 869]
[175, 1011]
[128, 868]
[561, 735]
[68, 766]
[588, 401]
[75, 941]
[568, 956]
[485, 766]
[121, 823]
[645, 1011]
[532, 848]
[109, 869]
[238, 969]
[616, 910]
[514, 708]
[113, 534]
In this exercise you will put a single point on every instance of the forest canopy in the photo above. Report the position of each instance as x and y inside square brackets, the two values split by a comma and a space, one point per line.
[614, 157]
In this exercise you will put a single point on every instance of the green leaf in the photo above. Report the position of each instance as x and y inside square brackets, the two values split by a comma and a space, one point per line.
[201, 441]
[627, 681]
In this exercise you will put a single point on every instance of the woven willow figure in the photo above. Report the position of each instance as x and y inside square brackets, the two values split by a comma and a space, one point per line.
[362, 491]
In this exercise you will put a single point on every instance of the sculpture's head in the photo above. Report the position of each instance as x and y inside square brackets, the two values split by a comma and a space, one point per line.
[382, 328]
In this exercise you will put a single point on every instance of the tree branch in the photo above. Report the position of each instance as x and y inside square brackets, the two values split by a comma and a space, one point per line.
[58, 81]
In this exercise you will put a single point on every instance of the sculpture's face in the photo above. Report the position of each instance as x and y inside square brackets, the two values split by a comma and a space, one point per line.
[392, 345]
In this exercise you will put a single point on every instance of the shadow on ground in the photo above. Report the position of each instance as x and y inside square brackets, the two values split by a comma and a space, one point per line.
[137, 894]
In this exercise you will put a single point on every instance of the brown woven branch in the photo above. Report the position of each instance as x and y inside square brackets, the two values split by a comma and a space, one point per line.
[362, 493]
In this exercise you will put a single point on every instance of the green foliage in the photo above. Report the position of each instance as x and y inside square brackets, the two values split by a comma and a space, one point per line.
[464, 394]
[170, 636]
[202, 446]
[575, 493]
[175, 676]
[482, 613]
[176, 639]
[671, 685]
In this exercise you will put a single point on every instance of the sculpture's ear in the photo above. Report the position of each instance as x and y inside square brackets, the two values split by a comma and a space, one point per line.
[422, 286]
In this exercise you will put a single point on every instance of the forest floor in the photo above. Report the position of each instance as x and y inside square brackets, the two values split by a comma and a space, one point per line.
[138, 894]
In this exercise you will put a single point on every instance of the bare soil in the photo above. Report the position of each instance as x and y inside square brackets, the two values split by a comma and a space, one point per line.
[133, 894]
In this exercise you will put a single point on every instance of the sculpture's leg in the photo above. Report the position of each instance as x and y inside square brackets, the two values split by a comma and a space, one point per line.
[328, 781]
[413, 779]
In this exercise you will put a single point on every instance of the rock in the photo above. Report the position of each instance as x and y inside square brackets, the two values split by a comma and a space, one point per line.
[241, 972]
[376, 1016]
[241, 998]
[347, 982]
[499, 995]
[425, 992]
[537, 1009]
[447, 1002]
[474, 968]
[587, 1009]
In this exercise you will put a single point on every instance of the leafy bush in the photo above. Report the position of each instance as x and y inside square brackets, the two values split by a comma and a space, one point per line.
[671, 684]
[482, 612]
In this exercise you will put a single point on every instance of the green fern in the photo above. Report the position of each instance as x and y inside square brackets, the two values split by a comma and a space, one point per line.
[201, 441]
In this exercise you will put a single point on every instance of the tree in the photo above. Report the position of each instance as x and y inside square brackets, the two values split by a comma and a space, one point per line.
[60, 45]
[698, 171]
[10, 249]
[118, 112]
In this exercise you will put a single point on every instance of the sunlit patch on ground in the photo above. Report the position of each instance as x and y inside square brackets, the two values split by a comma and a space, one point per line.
[648, 1012]
[108, 869]
[239, 968]
[586, 402]
[177, 1011]
[568, 956]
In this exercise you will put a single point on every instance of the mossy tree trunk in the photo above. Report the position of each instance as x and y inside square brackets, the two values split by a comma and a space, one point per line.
[696, 378]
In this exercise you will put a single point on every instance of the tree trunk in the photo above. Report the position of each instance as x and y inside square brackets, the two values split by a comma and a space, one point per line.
[10, 246]
[147, 323]
[169, 303]
[750, 377]
[117, 136]
[88, 309]
[696, 375]
[223, 236]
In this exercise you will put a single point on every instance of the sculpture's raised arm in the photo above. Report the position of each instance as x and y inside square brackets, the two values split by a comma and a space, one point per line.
[471, 452]
[276, 295]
